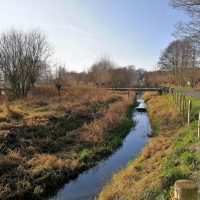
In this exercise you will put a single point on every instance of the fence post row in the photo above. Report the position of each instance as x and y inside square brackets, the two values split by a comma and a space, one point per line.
[185, 189]
[181, 103]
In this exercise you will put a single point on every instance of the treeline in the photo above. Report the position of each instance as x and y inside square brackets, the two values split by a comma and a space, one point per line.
[181, 58]
[156, 78]
[103, 73]
[25, 62]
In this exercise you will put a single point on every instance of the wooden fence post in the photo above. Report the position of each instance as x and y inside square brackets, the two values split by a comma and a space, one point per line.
[180, 103]
[185, 101]
[174, 92]
[183, 106]
[175, 95]
[189, 111]
[185, 190]
[177, 100]
[199, 126]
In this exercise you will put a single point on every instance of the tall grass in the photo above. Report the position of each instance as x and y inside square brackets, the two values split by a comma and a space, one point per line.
[171, 155]
[114, 117]
[57, 137]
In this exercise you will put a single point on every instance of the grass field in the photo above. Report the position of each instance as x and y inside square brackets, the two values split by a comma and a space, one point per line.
[172, 154]
[46, 139]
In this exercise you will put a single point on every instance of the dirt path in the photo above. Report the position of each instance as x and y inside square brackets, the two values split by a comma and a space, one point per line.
[192, 93]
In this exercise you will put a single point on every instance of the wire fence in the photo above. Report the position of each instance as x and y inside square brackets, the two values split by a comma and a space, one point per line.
[189, 107]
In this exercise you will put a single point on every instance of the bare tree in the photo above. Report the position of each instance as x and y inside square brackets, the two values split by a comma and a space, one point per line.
[130, 75]
[181, 58]
[191, 29]
[157, 77]
[169, 59]
[60, 74]
[101, 70]
[192, 7]
[123, 77]
[23, 57]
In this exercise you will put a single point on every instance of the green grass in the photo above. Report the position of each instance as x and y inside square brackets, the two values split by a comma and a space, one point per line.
[115, 137]
[173, 154]
[184, 159]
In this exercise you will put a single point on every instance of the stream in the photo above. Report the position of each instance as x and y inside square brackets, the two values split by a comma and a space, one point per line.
[88, 184]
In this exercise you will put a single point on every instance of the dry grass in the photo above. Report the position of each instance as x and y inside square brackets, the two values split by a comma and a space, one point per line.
[143, 176]
[45, 162]
[114, 116]
[45, 146]
[7, 112]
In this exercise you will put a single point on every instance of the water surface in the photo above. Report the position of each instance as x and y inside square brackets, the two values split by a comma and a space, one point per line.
[88, 184]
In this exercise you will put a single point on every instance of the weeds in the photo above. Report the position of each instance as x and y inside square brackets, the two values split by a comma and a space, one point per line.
[57, 137]
[116, 136]
[172, 154]
[85, 154]
[38, 192]
[172, 174]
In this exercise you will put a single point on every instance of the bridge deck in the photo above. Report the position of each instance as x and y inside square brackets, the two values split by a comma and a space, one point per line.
[166, 89]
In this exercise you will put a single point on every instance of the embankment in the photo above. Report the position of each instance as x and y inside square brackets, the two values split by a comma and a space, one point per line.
[172, 154]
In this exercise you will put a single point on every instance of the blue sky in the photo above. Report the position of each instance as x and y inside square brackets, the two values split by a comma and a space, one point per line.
[80, 31]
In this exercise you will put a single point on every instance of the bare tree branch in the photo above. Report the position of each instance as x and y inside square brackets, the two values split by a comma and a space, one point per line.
[23, 57]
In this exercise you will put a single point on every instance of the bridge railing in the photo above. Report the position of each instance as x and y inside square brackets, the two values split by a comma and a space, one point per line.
[143, 88]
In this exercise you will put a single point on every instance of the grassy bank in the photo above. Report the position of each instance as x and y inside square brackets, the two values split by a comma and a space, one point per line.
[115, 137]
[172, 154]
[46, 140]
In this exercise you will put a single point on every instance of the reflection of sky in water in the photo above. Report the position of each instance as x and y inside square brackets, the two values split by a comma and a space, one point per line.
[90, 183]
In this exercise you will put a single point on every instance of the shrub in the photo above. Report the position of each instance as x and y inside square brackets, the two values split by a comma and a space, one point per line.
[85, 154]
[10, 113]
[23, 186]
[114, 143]
[38, 191]
[155, 194]
[42, 92]
[172, 175]
[187, 158]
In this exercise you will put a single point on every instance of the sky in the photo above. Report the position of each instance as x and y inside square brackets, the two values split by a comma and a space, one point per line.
[129, 32]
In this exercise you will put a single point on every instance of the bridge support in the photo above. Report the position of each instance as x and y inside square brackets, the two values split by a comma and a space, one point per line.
[160, 92]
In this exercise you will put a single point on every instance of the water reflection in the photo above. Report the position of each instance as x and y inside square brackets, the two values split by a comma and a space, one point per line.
[90, 183]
